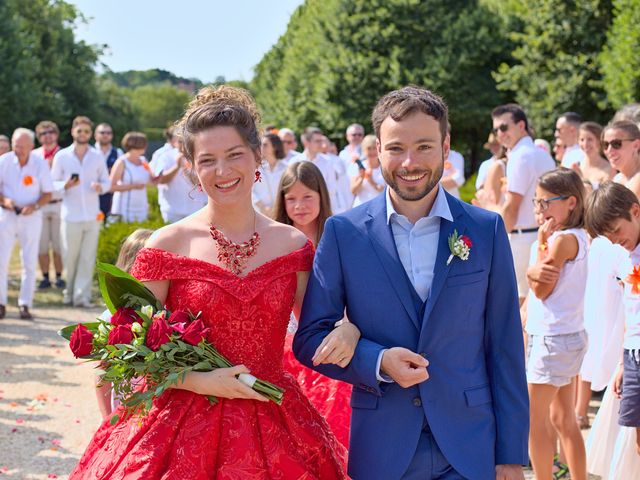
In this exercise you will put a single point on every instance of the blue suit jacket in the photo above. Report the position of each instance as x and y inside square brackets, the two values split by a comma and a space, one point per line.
[476, 399]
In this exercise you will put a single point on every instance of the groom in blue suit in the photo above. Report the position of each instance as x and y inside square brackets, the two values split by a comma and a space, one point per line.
[438, 372]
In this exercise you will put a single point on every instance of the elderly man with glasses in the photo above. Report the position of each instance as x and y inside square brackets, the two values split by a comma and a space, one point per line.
[47, 133]
[25, 187]
[81, 172]
[353, 150]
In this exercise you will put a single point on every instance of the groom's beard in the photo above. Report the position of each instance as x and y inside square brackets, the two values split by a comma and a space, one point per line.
[416, 193]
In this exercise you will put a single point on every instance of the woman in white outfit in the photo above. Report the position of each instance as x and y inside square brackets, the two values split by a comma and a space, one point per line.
[129, 178]
[366, 176]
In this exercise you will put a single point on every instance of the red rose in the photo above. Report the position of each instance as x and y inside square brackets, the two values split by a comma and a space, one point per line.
[466, 240]
[195, 332]
[158, 334]
[125, 316]
[179, 317]
[81, 342]
[120, 334]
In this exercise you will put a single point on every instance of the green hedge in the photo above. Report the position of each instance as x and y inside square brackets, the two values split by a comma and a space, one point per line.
[112, 236]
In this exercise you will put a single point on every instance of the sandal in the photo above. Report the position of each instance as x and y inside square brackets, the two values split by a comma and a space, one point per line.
[562, 469]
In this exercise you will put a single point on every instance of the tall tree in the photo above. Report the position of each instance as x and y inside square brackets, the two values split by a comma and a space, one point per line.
[620, 63]
[555, 64]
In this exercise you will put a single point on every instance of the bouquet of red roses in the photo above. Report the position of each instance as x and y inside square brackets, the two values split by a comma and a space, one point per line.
[144, 340]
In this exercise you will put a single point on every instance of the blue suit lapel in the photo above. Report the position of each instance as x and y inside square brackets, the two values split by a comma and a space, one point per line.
[384, 246]
[441, 269]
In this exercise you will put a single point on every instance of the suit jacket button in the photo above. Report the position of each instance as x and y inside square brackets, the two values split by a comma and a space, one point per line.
[417, 402]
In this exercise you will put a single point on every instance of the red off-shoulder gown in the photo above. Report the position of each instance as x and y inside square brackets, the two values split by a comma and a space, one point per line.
[186, 437]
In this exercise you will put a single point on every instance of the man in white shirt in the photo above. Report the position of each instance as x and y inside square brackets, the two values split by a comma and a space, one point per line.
[353, 150]
[25, 187]
[81, 172]
[48, 133]
[177, 195]
[340, 166]
[110, 153]
[312, 139]
[526, 164]
[453, 175]
[170, 143]
[567, 130]
[289, 142]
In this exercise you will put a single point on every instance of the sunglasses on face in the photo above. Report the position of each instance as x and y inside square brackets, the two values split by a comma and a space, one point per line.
[502, 127]
[615, 144]
[88, 132]
[105, 133]
[47, 132]
[543, 203]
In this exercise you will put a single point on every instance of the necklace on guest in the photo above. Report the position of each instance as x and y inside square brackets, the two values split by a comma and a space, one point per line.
[234, 256]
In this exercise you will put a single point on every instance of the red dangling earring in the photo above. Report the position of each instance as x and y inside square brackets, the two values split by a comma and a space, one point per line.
[258, 176]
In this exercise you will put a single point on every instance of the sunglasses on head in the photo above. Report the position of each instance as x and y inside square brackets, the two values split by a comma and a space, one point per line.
[615, 144]
[47, 132]
[502, 127]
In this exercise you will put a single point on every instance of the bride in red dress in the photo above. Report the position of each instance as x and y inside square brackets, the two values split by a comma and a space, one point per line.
[246, 292]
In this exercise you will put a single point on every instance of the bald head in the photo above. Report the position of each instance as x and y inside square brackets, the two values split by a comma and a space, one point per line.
[23, 141]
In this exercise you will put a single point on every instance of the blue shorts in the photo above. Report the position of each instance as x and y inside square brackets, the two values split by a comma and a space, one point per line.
[630, 402]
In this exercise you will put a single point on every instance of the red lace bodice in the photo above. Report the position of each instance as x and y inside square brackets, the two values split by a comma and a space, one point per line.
[184, 436]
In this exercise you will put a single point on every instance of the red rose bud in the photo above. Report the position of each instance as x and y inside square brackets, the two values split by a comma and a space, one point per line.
[125, 316]
[179, 317]
[120, 334]
[81, 341]
[466, 240]
[195, 332]
[158, 334]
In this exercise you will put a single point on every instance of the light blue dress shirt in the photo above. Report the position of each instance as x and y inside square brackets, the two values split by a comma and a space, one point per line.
[417, 246]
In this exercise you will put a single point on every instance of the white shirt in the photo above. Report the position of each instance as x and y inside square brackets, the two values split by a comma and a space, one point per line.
[24, 184]
[456, 170]
[104, 155]
[266, 189]
[80, 203]
[483, 171]
[417, 244]
[57, 193]
[631, 303]
[562, 312]
[346, 154]
[290, 155]
[344, 185]
[572, 155]
[325, 165]
[367, 191]
[167, 147]
[526, 164]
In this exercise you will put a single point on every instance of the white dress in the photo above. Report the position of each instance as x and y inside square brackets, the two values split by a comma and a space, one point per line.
[603, 312]
[132, 205]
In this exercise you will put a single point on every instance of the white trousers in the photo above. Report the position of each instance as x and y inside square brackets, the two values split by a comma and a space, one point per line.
[79, 246]
[26, 229]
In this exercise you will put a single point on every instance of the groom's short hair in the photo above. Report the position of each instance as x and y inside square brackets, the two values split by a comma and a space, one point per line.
[399, 104]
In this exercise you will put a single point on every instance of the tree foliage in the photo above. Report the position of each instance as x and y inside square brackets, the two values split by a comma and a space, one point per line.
[555, 63]
[46, 72]
[620, 63]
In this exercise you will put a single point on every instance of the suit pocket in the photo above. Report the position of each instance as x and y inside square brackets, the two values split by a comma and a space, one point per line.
[466, 279]
[361, 399]
[478, 395]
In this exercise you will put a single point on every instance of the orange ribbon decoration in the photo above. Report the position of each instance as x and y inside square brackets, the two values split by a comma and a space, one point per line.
[27, 180]
[633, 279]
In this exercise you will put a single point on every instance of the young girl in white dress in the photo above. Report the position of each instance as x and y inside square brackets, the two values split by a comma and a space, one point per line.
[557, 340]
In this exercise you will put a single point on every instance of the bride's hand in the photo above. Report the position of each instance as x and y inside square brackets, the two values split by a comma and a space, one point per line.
[339, 346]
[221, 383]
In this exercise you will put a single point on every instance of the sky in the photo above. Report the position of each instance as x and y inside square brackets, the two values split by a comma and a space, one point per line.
[191, 38]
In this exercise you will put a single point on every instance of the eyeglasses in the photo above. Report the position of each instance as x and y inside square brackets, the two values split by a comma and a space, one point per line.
[357, 134]
[503, 128]
[543, 203]
[104, 133]
[615, 144]
[88, 132]
[47, 132]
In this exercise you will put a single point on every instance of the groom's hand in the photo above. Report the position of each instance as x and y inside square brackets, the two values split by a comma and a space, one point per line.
[509, 472]
[405, 367]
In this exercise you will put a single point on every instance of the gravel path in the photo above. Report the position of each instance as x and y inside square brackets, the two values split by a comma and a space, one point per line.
[48, 409]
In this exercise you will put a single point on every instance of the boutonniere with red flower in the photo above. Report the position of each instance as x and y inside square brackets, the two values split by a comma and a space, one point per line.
[633, 279]
[460, 246]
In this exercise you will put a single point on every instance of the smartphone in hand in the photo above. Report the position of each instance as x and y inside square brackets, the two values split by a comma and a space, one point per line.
[75, 176]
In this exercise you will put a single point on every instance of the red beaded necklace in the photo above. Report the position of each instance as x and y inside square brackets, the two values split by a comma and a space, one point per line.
[232, 255]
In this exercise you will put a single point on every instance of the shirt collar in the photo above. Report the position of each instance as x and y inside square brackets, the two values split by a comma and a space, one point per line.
[526, 140]
[440, 207]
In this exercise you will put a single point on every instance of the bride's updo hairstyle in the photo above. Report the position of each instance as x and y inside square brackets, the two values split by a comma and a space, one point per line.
[221, 106]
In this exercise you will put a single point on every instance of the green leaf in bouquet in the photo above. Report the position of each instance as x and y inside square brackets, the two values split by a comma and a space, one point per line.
[116, 286]
[67, 331]
[203, 366]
